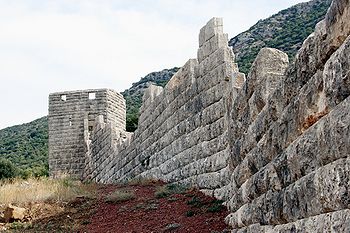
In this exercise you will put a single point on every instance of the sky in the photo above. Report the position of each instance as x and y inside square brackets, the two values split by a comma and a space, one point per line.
[57, 45]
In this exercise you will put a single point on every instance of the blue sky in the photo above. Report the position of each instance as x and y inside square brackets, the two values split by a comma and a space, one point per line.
[56, 45]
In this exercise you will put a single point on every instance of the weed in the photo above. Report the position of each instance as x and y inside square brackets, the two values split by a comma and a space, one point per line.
[195, 202]
[20, 226]
[120, 196]
[149, 205]
[141, 181]
[172, 226]
[172, 199]
[123, 209]
[86, 222]
[67, 182]
[216, 206]
[189, 213]
[169, 189]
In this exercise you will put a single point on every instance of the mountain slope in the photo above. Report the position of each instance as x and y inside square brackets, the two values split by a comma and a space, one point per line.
[285, 31]
[26, 146]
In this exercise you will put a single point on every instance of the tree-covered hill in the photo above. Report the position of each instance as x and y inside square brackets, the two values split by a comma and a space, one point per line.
[26, 146]
[285, 31]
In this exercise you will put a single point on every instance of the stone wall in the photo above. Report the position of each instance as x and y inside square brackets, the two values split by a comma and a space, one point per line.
[182, 134]
[274, 146]
[290, 156]
[71, 120]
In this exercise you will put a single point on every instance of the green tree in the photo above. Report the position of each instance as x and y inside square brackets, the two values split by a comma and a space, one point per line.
[7, 169]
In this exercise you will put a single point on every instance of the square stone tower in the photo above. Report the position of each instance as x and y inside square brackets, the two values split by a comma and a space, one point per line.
[72, 117]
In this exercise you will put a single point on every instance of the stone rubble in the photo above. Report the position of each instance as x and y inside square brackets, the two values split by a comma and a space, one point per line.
[13, 213]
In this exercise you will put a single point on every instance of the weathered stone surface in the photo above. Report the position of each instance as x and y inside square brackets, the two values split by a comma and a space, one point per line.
[71, 120]
[291, 162]
[12, 213]
[182, 134]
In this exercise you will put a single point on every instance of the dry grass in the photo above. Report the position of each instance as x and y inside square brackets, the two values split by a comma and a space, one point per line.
[169, 189]
[43, 189]
[142, 181]
[120, 196]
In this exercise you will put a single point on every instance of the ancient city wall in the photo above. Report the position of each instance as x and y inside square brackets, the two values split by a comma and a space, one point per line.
[290, 156]
[72, 117]
[275, 145]
[182, 134]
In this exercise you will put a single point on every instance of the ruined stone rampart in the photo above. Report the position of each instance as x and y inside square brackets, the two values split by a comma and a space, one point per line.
[72, 117]
[290, 159]
[274, 146]
[182, 134]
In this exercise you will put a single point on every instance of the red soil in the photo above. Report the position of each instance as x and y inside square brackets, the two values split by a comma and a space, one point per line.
[178, 211]
[147, 213]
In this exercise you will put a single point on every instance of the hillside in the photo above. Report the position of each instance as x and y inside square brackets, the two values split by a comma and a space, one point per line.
[285, 31]
[26, 146]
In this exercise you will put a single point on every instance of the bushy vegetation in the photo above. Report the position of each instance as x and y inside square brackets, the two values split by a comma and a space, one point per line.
[120, 196]
[7, 169]
[133, 104]
[26, 147]
[169, 189]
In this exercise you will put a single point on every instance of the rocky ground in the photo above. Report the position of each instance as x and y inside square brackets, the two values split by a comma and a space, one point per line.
[148, 207]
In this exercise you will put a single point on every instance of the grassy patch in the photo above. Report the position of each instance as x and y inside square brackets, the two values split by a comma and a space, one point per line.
[120, 196]
[141, 181]
[148, 205]
[86, 222]
[216, 206]
[195, 202]
[172, 199]
[190, 213]
[19, 191]
[169, 189]
[20, 226]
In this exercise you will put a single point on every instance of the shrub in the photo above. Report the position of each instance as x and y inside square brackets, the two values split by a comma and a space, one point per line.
[195, 202]
[169, 189]
[189, 213]
[7, 169]
[141, 181]
[216, 206]
[120, 196]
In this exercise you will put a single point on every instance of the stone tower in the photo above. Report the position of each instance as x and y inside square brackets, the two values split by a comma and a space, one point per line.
[71, 120]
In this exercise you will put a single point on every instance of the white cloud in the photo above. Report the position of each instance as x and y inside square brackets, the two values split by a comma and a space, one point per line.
[48, 46]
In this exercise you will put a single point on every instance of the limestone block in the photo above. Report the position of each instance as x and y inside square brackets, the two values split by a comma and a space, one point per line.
[206, 51]
[337, 221]
[12, 213]
[213, 27]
